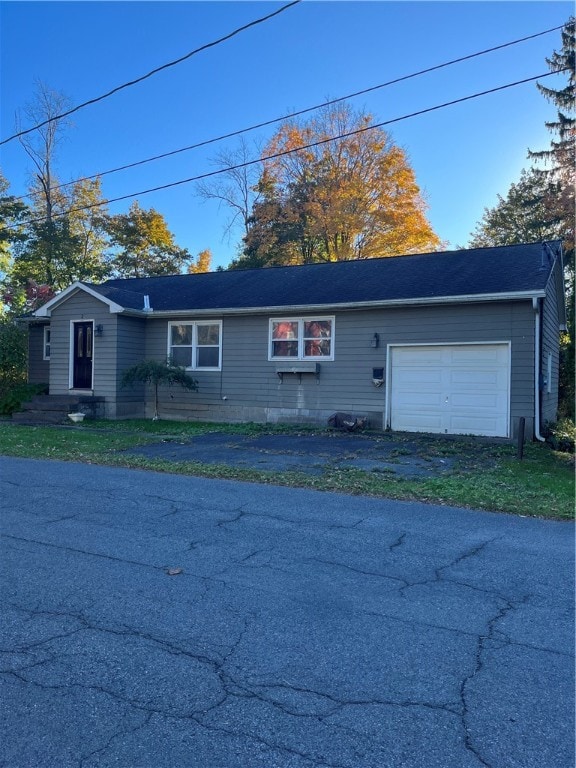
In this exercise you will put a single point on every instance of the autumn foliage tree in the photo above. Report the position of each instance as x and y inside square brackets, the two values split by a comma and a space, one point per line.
[144, 245]
[320, 199]
[202, 263]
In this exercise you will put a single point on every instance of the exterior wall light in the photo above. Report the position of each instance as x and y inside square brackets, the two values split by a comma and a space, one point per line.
[99, 330]
[375, 341]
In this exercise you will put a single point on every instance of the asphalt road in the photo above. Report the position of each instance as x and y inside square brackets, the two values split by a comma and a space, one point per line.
[154, 621]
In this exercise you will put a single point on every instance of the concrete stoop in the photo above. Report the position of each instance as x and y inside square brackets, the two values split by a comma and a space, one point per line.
[54, 409]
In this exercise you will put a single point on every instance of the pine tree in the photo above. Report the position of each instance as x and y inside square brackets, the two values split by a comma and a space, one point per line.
[560, 175]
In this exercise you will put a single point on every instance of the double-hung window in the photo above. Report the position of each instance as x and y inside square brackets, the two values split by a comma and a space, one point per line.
[196, 346]
[46, 343]
[301, 338]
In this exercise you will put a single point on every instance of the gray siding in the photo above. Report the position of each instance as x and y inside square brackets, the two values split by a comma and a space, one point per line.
[122, 339]
[550, 347]
[248, 389]
[131, 349]
[38, 368]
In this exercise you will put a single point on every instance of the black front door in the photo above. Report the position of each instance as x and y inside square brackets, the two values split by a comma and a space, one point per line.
[83, 343]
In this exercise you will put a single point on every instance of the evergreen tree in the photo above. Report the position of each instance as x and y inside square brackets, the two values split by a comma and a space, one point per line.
[560, 173]
[523, 216]
[541, 205]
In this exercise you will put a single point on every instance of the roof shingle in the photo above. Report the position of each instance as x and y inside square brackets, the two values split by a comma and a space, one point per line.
[480, 271]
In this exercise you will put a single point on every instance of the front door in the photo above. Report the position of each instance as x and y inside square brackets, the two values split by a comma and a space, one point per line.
[82, 357]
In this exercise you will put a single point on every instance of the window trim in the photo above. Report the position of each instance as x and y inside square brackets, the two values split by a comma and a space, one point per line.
[301, 357]
[194, 346]
[46, 342]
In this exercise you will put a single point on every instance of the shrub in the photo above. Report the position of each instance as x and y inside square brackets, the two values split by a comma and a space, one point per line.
[562, 436]
[155, 372]
[12, 397]
[13, 354]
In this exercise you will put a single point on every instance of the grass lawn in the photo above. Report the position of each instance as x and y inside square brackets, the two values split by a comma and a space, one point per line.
[486, 475]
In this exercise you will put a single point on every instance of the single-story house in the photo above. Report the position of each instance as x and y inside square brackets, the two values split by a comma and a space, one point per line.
[454, 342]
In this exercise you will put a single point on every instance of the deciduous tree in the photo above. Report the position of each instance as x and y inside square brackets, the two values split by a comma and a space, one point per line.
[144, 244]
[202, 263]
[354, 197]
[236, 185]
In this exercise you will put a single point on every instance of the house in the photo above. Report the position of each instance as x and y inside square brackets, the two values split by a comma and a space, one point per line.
[454, 342]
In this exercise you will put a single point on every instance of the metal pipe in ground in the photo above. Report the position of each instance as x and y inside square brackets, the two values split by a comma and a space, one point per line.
[521, 428]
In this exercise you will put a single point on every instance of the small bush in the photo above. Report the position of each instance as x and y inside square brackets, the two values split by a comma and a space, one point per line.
[13, 355]
[562, 436]
[155, 372]
[11, 398]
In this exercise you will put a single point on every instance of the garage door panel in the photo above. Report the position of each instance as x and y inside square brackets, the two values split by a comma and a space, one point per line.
[428, 356]
[470, 378]
[452, 389]
[488, 400]
[472, 426]
[423, 422]
[420, 376]
[417, 400]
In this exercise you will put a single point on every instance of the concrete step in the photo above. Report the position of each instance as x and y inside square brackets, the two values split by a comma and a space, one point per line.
[41, 417]
[63, 407]
[54, 409]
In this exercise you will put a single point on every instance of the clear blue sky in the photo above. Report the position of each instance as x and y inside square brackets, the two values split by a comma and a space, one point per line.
[463, 156]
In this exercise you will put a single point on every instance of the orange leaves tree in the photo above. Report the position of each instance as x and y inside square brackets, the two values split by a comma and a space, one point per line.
[352, 198]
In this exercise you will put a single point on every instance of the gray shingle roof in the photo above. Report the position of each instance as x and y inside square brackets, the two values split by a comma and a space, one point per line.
[503, 270]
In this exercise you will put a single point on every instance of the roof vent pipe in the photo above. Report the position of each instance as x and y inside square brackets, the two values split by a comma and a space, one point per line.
[147, 307]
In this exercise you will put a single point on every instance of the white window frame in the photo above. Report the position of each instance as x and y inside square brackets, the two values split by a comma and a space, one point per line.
[194, 346]
[301, 320]
[46, 343]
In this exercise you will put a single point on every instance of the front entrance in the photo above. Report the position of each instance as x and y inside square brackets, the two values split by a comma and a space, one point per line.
[83, 339]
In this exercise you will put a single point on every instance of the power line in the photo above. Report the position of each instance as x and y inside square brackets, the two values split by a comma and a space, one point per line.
[295, 149]
[152, 72]
[291, 115]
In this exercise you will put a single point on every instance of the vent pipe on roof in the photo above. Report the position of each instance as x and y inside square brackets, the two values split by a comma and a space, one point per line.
[147, 307]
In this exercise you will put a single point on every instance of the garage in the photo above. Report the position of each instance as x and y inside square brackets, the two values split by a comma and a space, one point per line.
[456, 389]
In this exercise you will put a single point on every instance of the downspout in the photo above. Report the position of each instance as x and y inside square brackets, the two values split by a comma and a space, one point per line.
[537, 355]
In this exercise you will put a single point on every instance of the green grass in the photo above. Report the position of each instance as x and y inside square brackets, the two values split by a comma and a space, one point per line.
[486, 475]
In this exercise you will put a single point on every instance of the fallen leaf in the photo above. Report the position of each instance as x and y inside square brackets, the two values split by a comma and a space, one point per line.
[174, 571]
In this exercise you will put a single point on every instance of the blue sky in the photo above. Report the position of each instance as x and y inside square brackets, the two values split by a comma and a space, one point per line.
[463, 156]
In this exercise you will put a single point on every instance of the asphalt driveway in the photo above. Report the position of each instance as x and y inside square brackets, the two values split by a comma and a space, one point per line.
[152, 621]
[311, 454]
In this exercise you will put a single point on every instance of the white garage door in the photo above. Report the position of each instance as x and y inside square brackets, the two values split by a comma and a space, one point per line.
[461, 389]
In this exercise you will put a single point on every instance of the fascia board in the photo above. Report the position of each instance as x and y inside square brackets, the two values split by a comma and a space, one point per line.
[393, 303]
[46, 310]
[557, 274]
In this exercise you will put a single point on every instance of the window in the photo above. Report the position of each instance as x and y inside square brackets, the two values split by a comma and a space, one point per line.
[195, 345]
[302, 338]
[46, 344]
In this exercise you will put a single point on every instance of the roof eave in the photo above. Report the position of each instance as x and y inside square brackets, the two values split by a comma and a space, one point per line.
[46, 309]
[390, 303]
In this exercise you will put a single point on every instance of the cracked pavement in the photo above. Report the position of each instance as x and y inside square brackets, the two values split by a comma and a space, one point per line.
[151, 620]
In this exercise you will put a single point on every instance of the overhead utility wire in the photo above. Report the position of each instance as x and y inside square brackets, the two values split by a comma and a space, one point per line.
[152, 72]
[295, 149]
[290, 115]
